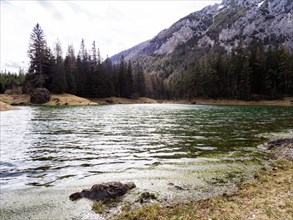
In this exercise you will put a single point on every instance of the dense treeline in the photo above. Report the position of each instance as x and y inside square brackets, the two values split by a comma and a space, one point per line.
[244, 74]
[11, 81]
[85, 75]
[253, 73]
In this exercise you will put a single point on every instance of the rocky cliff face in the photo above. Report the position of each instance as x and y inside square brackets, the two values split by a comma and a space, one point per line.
[230, 24]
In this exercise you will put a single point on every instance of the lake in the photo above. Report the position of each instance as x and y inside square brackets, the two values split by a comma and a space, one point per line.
[201, 150]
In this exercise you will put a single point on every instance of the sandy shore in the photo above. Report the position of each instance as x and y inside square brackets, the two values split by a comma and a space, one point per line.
[69, 99]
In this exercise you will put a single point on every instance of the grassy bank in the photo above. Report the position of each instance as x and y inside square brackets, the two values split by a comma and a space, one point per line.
[5, 107]
[288, 101]
[269, 196]
[69, 99]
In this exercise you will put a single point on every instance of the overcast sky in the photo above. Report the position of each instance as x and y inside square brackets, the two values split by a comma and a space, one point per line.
[114, 25]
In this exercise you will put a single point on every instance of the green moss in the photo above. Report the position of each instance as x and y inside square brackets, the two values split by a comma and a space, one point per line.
[98, 207]
[147, 213]
[257, 198]
[227, 16]
[220, 18]
[104, 206]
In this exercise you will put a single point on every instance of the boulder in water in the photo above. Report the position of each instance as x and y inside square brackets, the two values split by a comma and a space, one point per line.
[281, 148]
[276, 143]
[98, 192]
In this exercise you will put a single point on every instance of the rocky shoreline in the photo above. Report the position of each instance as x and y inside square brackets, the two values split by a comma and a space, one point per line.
[268, 190]
[110, 208]
[280, 148]
[268, 196]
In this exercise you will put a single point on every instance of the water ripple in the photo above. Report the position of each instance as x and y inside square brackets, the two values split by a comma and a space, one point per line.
[42, 146]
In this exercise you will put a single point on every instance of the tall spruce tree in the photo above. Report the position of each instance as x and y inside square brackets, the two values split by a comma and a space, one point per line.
[139, 86]
[59, 84]
[39, 59]
[122, 78]
[70, 70]
[129, 81]
[82, 70]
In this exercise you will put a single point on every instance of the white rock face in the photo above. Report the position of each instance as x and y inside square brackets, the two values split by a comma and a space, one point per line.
[179, 37]
[269, 21]
[229, 24]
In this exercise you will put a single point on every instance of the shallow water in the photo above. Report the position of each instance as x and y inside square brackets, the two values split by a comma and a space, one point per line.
[158, 146]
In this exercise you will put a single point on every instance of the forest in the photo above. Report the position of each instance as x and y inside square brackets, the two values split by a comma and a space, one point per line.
[245, 73]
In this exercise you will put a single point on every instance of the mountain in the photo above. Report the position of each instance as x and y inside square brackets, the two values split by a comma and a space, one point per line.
[239, 49]
[229, 25]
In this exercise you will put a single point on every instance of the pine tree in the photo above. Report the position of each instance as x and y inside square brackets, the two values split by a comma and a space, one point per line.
[122, 78]
[59, 84]
[82, 70]
[129, 81]
[70, 70]
[257, 66]
[95, 61]
[140, 81]
[110, 73]
[39, 60]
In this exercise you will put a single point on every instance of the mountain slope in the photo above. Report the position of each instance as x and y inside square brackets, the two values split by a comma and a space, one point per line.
[229, 25]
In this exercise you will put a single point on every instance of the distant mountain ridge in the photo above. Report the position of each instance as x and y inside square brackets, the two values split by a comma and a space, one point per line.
[228, 25]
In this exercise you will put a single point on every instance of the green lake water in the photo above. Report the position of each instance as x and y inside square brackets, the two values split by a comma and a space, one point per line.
[179, 152]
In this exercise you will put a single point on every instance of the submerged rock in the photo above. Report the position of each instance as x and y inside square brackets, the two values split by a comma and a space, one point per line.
[147, 197]
[281, 148]
[110, 190]
[276, 143]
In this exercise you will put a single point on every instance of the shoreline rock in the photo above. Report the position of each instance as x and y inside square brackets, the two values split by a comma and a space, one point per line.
[280, 148]
[40, 96]
[98, 192]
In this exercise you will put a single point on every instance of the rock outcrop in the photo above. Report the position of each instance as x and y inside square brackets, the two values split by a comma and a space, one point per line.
[231, 24]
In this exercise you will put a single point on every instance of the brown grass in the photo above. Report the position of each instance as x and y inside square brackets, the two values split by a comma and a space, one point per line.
[116, 100]
[15, 99]
[5, 107]
[69, 99]
[202, 101]
[270, 196]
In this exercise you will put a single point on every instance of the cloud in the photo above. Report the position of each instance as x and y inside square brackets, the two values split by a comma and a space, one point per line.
[51, 7]
[79, 9]
[14, 66]
[114, 25]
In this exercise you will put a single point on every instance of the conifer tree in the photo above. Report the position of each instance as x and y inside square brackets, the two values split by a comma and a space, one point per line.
[122, 78]
[70, 70]
[82, 69]
[129, 81]
[140, 81]
[94, 62]
[39, 59]
[59, 83]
